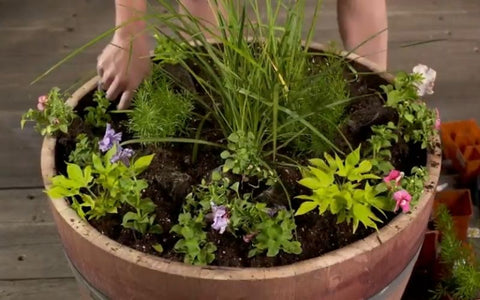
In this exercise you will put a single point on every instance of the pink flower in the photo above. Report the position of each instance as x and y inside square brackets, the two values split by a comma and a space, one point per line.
[437, 120]
[403, 199]
[249, 237]
[394, 175]
[42, 101]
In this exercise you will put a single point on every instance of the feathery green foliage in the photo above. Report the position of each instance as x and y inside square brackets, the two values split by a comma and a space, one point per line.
[158, 110]
[463, 280]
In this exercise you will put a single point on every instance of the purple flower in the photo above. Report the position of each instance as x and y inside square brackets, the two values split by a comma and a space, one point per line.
[122, 155]
[273, 211]
[111, 138]
[220, 218]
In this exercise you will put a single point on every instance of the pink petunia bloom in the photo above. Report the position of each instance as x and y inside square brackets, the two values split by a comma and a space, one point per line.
[42, 101]
[403, 199]
[437, 120]
[394, 175]
[220, 218]
[249, 237]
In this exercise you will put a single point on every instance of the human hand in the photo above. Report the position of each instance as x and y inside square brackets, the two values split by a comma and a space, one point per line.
[123, 65]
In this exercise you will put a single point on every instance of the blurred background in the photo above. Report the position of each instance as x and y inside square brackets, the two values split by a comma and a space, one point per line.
[34, 35]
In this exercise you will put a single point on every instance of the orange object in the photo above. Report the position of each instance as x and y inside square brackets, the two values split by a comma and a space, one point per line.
[459, 205]
[468, 162]
[458, 135]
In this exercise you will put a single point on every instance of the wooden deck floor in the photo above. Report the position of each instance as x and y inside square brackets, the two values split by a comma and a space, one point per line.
[36, 34]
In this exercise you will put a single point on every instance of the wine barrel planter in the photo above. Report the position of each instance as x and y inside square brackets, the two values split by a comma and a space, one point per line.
[376, 267]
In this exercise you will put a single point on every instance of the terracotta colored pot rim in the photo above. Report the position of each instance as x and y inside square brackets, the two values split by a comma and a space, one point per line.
[91, 235]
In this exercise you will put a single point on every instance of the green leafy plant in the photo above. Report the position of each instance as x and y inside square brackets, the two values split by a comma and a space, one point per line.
[342, 188]
[242, 157]
[142, 220]
[158, 111]
[462, 281]
[103, 187]
[275, 234]
[380, 144]
[84, 149]
[320, 97]
[416, 120]
[415, 183]
[97, 116]
[194, 240]
[52, 115]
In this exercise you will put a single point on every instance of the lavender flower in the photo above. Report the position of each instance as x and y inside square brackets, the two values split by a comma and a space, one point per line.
[273, 211]
[111, 138]
[122, 155]
[220, 218]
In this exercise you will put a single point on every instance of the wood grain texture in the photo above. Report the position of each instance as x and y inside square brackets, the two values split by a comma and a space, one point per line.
[39, 289]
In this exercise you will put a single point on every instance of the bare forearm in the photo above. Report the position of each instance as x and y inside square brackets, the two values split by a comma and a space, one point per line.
[359, 21]
[127, 11]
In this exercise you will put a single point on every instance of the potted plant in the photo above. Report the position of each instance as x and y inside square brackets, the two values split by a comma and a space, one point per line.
[256, 166]
[458, 269]
[460, 207]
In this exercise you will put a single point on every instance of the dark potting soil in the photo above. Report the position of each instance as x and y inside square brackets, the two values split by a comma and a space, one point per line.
[173, 172]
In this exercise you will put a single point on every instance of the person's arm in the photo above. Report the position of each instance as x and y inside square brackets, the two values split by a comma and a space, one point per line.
[358, 21]
[125, 62]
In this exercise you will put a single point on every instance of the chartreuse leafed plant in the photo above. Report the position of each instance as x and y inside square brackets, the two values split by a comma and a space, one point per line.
[462, 280]
[52, 114]
[342, 188]
[108, 184]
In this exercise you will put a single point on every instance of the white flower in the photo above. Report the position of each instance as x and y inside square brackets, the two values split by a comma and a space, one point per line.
[426, 85]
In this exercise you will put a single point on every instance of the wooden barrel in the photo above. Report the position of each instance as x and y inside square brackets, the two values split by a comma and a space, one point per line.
[377, 266]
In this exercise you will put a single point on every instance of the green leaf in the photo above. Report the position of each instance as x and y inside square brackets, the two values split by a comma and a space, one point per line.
[59, 192]
[75, 172]
[319, 163]
[324, 179]
[363, 214]
[306, 207]
[225, 154]
[157, 247]
[353, 158]
[156, 229]
[331, 162]
[128, 217]
[97, 163]
[311, 183]
[142, 163]
[365, 166]
[253, 252]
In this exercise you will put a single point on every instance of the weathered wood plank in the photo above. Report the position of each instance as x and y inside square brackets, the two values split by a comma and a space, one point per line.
[39, 289]
[27, 234]
[33, 261]
[24, 206]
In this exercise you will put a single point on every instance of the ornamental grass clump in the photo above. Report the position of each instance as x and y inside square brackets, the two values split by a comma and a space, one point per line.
[242, 149]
